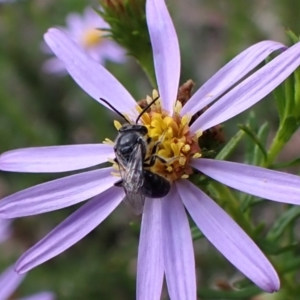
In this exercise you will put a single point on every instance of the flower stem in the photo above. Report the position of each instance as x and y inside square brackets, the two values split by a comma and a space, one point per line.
[286, 129]
[147, 65]
[274, 150]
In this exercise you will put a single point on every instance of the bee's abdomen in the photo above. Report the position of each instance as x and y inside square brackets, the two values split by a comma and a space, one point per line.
[155, 186]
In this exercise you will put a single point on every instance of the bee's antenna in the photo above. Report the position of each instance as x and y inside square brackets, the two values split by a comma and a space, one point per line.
[114, 109]
[145, 109]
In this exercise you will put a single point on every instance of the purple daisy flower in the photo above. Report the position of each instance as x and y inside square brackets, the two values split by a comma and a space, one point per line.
[10, 280]
[85, 31]
[165, 246]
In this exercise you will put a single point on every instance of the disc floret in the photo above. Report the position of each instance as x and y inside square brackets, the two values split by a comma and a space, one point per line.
[171, 135]
[91, 38]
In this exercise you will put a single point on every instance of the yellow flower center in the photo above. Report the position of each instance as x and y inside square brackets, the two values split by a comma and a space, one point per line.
[91, 37]
[175, 144]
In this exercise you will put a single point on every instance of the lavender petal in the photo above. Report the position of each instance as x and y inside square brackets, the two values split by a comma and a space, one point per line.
[55, 158]
[94, 79]
[166, 53]
[228, 237]
[57, 194]
[71, 230]
[150, 270]
[9, 281]
[260, 182]
[230, 74]
[251, 90]
[178, 249]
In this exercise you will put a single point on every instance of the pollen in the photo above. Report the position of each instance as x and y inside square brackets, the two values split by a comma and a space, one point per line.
[175, 144]
[169, 169]
[186, 148]
[199, 134]
[116, 174]
[108, 142]
[117, 125]
[197, 155]
[91, 37]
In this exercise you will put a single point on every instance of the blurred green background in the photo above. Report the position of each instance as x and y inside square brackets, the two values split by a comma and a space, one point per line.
[38, 109]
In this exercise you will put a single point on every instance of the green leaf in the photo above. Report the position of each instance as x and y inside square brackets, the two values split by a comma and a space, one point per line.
[289, 97]
[230, 146]
[283, 222]
[254, 138]
[272, 248]
[283, 135]
[262, 135]
[249, 202]
[290, 265]
[287, 129]
[251, 123]
[295, 39]
[259, 228]
[279, 95]
[296, 111]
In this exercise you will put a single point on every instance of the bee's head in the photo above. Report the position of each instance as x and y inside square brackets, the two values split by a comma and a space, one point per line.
[128, 138]
[133, 128]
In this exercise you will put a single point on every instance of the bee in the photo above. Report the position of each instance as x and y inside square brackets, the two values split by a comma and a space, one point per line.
[130, 149]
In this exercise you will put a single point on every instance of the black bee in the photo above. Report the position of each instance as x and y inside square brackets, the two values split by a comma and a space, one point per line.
[130, 149]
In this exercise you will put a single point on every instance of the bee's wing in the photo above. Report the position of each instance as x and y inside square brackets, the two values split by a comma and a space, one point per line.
[135, 202]
[133, 179]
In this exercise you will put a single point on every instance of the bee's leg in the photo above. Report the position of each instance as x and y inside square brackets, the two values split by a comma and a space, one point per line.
[119, 183]
[154, 149]
[153, 158]
[149, 160]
